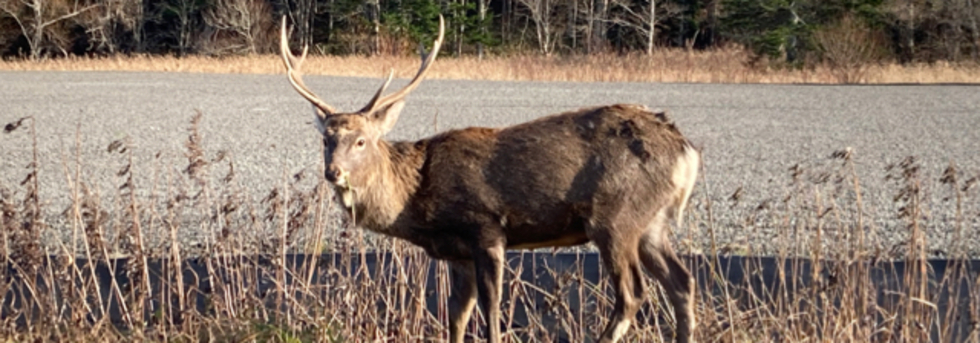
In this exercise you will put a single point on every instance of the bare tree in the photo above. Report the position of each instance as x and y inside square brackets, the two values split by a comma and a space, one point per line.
[110, 25]
[612, 175]
[911, 11]
[713, 10]
[642, 18]
[571, 28]
[481, 10]
[250, 20]
[374, 12]
[599, 24]
[947, 25]
[301, 13]
[35, 17]
[909, 14]
[9, 31]
[506, 20]
[971, 12]
[952, 25]
[460, 30]
[541, 12]
[849, 48]
[183, 28]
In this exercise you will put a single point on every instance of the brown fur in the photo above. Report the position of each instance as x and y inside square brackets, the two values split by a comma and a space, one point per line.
[612, 175]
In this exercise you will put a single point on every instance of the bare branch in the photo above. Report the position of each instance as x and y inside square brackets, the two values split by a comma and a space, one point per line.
[66, 16]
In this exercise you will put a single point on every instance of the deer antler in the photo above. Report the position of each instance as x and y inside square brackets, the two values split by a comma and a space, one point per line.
[296, 77]
[377, 95]
[380, 102]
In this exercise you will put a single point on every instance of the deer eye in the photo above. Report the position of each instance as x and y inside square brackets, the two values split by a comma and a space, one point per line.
[360, 142]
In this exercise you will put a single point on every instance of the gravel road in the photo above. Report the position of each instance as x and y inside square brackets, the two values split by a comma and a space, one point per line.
[751, 136]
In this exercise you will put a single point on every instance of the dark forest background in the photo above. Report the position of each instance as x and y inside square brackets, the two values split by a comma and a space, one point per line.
[790, 32]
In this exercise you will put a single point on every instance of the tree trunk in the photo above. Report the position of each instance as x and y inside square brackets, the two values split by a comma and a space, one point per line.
[301, 14]
[571, 22]
[506, 20]
[461, 31]
[330, 22]
[651, 34]
[712, 26]
[376, 21]
[599, 23]
[539, 26]
[974, 35]
[546, 20]
[184, 26]
[481, 9]
[541, 16]
[951, 36]
[140, 18]
[38, 31]
[910, 30]
[589, 28]
[310, 13]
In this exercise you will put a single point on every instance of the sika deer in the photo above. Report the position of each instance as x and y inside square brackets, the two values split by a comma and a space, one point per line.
[610, 175]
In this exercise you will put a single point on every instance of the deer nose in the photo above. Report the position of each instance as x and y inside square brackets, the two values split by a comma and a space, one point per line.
[333, 173]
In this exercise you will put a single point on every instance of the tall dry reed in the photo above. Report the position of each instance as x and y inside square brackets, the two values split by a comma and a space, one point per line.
[283, 269]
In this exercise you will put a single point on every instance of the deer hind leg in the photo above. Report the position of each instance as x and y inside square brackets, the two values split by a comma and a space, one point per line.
[619, 254]
[462, 300]
[660, 260]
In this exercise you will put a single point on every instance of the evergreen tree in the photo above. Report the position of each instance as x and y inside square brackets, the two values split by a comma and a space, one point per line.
[783, 29]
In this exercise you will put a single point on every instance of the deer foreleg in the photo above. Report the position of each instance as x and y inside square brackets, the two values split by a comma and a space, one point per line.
[489, 281]
[462, 299]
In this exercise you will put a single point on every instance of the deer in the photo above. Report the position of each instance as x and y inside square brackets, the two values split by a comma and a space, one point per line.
[612, 175]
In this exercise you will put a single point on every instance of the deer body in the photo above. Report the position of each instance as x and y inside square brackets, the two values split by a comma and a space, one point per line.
[611, 175]
[497, 180]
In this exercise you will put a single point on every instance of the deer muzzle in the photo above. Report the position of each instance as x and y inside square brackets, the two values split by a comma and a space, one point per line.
[341, 181]
[336, 175]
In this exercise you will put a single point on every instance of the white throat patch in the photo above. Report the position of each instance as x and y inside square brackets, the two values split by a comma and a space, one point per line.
[346, 197]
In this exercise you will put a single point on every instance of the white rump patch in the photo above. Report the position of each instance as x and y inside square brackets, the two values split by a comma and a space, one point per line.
[684, 176]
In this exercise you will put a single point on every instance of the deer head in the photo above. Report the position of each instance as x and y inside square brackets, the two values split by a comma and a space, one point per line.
[352, 140]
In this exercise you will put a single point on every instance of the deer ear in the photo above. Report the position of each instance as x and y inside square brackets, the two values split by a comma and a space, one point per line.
[385, 118]
[320, 119]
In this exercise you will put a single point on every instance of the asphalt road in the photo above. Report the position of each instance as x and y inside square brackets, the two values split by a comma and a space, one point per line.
[750, 134]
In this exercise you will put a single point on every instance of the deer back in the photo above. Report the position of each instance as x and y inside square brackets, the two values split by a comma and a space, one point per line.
[541, 181]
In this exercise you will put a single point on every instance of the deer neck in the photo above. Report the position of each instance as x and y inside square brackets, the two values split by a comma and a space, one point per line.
[384, 195]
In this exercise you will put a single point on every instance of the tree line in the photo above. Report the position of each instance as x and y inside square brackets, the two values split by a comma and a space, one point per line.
[794, 32]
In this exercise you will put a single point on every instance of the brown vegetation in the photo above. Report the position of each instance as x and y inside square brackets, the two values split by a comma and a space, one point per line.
[340, 300]
[665, 65]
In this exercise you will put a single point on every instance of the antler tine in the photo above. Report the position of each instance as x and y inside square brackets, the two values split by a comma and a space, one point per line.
[374, 100]
[426, 63]
[295, 76]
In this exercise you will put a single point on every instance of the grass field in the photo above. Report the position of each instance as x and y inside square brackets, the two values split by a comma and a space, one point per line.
[666, 65]
[61, 302]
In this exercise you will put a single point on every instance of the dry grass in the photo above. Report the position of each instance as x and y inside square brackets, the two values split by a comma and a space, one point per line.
[666, 65]
[248, 243]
